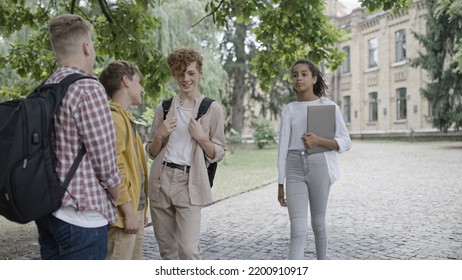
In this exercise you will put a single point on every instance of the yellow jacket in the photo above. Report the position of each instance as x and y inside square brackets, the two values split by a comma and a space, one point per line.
[131, 159]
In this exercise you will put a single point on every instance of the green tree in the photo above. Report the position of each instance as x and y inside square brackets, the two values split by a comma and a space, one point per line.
[441, 60]
[122, 31]
[127, 30]
[236, 56]
[175, 30]
[281, 31]
[385, 5]
[284, 30]
[287, 30]
[453, 10]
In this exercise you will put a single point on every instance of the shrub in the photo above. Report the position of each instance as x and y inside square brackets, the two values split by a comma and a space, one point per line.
[233, 139]
[263, 133]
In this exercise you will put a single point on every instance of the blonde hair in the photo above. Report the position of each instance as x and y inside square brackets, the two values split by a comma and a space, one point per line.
[66, 32]
[181, 58]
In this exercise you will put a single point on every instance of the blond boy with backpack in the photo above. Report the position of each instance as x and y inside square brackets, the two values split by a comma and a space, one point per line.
[82, 120]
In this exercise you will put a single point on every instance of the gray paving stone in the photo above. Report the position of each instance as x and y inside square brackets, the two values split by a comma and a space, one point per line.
[394, 201]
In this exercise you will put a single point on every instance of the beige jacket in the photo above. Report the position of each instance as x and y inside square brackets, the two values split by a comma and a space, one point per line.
[213, 125]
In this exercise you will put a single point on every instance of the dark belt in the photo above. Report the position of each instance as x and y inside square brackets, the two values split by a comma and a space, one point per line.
[177, 166]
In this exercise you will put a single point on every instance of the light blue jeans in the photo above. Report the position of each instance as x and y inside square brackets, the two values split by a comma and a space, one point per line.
[307, 181]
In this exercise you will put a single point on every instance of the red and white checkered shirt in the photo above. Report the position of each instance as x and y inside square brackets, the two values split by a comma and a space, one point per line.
[84, 117]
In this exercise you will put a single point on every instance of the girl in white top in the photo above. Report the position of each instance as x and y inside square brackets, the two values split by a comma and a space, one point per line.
[308, 177]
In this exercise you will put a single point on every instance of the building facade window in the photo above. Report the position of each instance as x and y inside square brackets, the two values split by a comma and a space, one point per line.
[401, 104]
[373, 52]
[346, 63]
[400, 39]
[373, 107]
[347, 109]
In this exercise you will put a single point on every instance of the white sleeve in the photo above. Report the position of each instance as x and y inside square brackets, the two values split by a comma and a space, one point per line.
[283, 145]
[341, 133]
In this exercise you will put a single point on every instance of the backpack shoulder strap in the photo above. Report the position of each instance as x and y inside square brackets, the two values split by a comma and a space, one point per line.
[166, 103]
[204, 106]
[70, 79]
[64, 85]
[74, 167]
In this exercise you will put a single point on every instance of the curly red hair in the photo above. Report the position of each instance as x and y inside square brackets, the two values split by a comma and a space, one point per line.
[181, 58]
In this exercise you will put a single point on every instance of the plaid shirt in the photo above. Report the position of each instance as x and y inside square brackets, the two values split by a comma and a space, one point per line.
[84, 118]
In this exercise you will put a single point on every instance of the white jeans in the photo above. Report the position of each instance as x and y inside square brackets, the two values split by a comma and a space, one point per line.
[307, 180]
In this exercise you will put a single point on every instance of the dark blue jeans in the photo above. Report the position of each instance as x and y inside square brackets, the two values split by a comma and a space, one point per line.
[63, 241]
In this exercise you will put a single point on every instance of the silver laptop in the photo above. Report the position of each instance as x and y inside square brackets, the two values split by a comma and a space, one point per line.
[321, 121]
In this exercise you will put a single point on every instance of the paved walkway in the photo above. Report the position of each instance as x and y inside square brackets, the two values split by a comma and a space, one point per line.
[394, 201]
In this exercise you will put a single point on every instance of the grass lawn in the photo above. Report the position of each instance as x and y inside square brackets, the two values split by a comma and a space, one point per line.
[245, 169]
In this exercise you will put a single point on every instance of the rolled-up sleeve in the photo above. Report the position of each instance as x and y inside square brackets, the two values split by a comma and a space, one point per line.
[217, 132]
[157, 120]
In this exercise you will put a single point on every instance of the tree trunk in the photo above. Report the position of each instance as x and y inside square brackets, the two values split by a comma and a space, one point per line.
[239, 84]
[237, 117]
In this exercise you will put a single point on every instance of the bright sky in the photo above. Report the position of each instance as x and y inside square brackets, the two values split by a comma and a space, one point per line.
[350, 4]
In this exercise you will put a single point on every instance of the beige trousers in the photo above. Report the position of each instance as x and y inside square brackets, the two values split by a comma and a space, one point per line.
[139, 237]
[176, 222]
[125, 246]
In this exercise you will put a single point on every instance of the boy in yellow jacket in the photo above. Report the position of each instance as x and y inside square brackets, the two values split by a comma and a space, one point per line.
[125, 238]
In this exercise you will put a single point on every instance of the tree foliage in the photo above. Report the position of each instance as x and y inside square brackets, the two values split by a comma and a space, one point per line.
[453, 10]
[284, 31]
[441, 60]
[281, 30]
[394, 5]
[176, 18]
[143, 32]
[122, 31]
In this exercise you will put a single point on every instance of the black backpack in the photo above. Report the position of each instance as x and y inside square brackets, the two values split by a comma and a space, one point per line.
[203, 107]
[29, 185]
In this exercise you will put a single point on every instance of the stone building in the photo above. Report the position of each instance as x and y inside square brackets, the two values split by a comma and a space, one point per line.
[376, 88]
